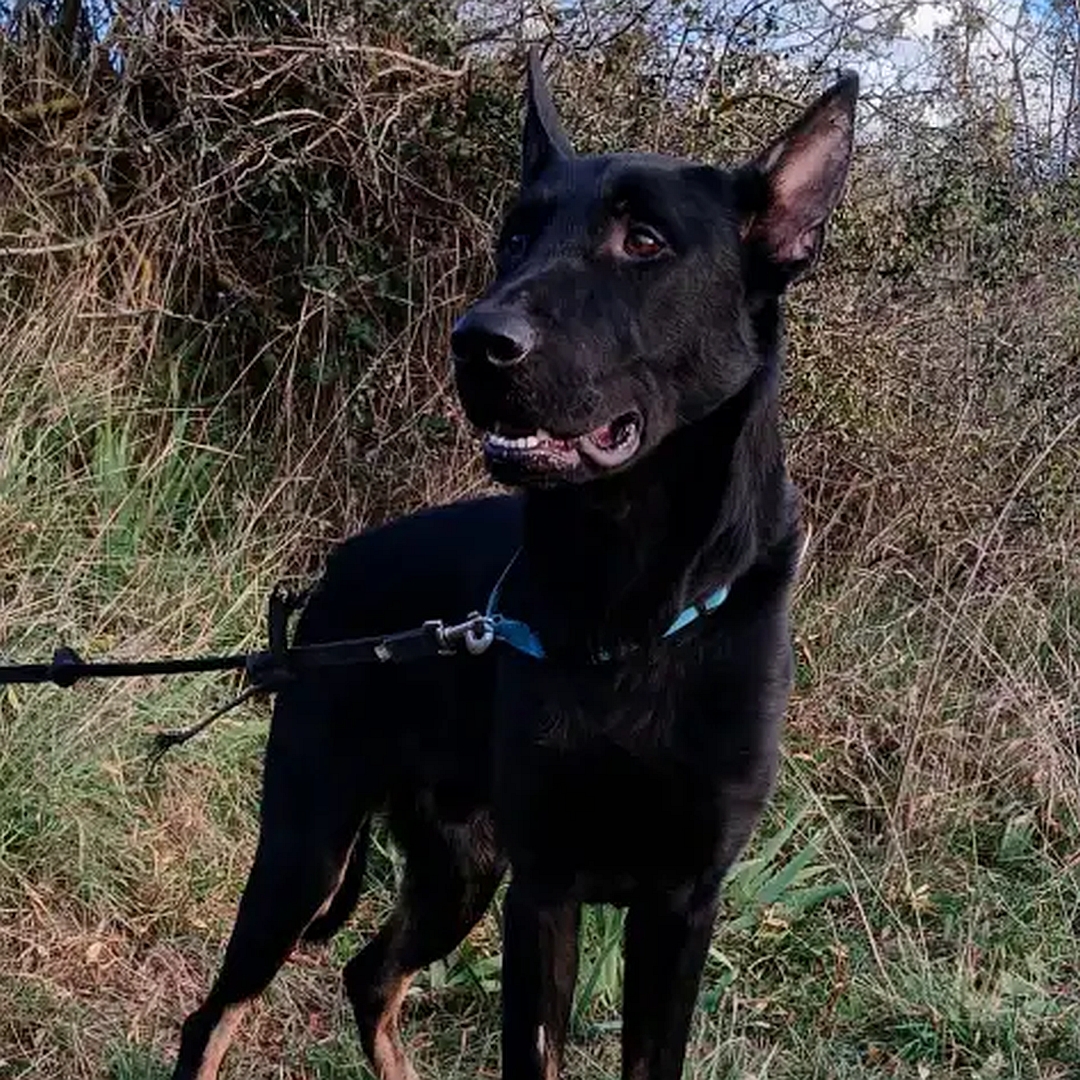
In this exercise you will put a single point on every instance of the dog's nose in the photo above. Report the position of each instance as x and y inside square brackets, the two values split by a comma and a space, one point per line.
[499, 337]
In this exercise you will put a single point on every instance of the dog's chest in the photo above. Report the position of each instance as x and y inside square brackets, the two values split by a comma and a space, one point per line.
[611, 777]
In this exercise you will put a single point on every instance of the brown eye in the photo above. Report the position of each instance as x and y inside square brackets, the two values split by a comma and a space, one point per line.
[642, 243]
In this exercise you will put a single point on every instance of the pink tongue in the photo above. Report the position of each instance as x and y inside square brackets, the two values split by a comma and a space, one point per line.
[602, 437]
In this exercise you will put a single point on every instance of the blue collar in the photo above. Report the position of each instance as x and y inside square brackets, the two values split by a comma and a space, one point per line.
[520, 636]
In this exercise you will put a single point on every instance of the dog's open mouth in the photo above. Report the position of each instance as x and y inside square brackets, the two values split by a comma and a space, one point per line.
[539, 451]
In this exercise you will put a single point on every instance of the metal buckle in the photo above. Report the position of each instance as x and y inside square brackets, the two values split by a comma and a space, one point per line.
[479, 635]
[477, 632]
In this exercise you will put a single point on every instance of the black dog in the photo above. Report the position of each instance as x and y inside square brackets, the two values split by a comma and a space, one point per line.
[625, 367]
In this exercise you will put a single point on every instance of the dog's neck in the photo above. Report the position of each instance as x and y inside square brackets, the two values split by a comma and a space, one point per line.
[613, 561]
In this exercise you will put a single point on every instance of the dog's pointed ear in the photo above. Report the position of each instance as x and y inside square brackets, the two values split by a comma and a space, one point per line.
[796, 183]
[543, 140]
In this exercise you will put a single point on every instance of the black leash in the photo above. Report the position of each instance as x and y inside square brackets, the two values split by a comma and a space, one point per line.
[266, 671]
[67, 668]
[269, 670]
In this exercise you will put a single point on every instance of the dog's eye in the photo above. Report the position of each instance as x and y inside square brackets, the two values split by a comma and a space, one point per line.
[641, 242]
[515, 246]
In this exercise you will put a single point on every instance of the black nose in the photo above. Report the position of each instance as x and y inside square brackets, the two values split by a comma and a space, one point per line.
[499, 337]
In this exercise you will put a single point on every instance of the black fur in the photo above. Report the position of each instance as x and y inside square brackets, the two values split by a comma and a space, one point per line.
[632, 338]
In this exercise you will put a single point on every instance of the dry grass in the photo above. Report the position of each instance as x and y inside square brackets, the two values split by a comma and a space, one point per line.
[226, 282]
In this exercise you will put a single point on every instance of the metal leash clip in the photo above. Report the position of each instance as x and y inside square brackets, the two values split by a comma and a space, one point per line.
[477, 632]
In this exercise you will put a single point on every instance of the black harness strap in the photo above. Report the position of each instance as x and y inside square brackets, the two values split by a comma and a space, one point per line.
[166, 740]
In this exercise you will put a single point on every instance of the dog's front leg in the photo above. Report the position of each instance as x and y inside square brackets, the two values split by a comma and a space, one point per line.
[667, 938]
[540, 959]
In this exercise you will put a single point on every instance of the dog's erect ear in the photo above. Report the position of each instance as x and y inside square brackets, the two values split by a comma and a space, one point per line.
[543, 140]
[799, 180]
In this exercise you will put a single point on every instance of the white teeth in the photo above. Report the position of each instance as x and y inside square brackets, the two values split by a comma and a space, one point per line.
[526, 442]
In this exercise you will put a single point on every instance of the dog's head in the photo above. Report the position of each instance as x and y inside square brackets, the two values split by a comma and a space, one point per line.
[636, 293]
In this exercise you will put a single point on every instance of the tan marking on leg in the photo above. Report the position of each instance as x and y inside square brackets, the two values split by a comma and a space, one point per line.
[547, 1059]
[391, 1062]
[550, 1061]
[324, 907]
[219, 1041]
